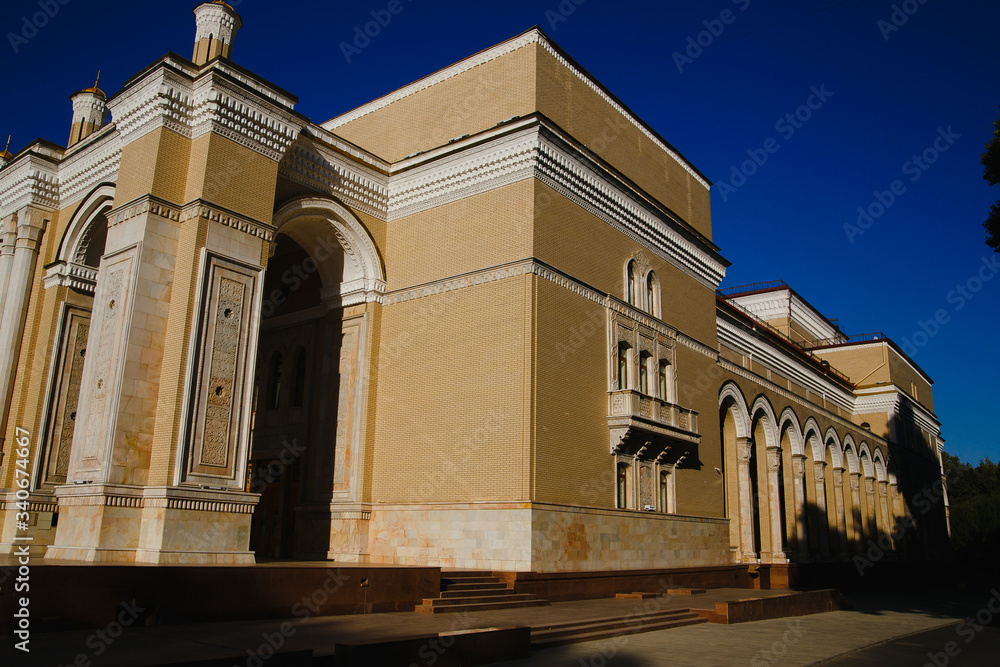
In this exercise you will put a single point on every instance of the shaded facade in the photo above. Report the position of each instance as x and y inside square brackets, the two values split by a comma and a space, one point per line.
[473, 323]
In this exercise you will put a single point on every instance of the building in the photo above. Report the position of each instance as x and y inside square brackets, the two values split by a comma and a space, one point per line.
[473, 323]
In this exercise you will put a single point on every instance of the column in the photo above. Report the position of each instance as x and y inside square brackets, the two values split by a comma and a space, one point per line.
[883, 503]
[774, 500]
[824, 529]
[859, 532]
[799, 475]
[872, 520]
[30, 225]
[744, 449]
[838, 499]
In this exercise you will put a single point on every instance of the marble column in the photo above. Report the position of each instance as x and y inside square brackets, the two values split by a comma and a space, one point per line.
[744, 449]
[30, 225]
[799, 485]
[824, 529]
[774, 502]
[838, 500]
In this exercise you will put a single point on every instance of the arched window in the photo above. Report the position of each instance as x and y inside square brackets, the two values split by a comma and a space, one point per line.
[299, 394]
[630, 282]
[622, 502]
[624, 357]
[274, 390]
[652, 294]
[663, 380]
[645, 373]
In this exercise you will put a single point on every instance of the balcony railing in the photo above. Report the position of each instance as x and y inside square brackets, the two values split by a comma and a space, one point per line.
[630, 403]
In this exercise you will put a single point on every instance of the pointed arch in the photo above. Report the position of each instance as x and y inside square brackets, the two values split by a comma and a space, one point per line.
[866, 461]
[835, 447]
[762, 406]
[879, 460]
[811, 434]
[851, 454]
[790, 421]
[731, 398]
[75, 265]
[318, 223]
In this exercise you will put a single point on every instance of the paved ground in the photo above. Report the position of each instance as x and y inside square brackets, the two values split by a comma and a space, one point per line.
[914, 624]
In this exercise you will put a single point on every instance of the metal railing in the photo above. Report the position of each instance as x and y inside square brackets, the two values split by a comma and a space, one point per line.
[752, 287]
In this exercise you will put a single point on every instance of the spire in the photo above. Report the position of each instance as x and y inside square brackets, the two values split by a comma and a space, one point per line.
[217, 24]
[5, 157]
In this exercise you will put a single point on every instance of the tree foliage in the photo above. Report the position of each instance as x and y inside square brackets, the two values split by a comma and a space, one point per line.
[974, 509]
[991, 174]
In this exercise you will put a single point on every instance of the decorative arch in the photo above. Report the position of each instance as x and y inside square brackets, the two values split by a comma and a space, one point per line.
[836, 448]
[71, 268]
[316, 223]
[790, 421]
[730, 397]
[880, 469]
[770, 422]
[866, 461]
[811, 433]
[651, 287]
[851, 453]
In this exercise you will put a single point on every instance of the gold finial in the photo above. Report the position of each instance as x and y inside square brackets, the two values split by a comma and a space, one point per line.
[6, 151]
[95, 89]
[98, 79]
[8, 144]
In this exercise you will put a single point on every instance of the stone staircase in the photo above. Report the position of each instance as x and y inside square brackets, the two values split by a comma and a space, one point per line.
[571, 632]
[475, 591]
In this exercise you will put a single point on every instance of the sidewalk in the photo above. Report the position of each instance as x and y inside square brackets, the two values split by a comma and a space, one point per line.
[876, 618]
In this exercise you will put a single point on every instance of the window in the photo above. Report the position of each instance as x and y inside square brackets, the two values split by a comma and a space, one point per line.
[644, 374]
[662, 380]
[298, 396]
[622, 486]
[630, 282]
[274, 391]
[652, 294]
[667, 493]
[623, 364]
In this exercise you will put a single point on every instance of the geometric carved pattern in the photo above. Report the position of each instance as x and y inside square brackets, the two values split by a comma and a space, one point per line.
[222, 377]
[65, 396]
[219, 374]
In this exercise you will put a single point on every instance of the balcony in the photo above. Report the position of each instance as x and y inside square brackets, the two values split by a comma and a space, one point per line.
[631, 410]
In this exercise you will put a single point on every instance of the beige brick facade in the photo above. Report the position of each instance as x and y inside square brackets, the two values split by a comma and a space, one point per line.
[475, 323]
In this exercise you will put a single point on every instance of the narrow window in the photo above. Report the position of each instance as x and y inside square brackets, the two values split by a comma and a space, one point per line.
[662, 380]
[274, 393]
[664, 492]
[650, 293]
[630, 287]
[623, 355]
[299, 394]
[622, 486]
[644, 386]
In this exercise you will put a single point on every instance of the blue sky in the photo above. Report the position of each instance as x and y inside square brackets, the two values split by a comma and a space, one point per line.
[887, 81]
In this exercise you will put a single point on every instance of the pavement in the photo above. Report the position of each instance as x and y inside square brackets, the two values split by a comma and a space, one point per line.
[915, 628]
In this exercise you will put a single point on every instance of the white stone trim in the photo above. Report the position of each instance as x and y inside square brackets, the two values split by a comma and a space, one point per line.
[533, 36]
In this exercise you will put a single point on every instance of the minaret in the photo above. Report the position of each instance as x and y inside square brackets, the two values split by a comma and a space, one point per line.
[217, 26]
[5, 157]
[90, 108]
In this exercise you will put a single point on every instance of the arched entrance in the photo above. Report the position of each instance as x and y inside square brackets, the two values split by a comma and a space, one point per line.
[312, 365]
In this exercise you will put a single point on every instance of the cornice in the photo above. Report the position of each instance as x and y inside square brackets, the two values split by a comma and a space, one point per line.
[31, 180]
[735, 337]
[895, 401]
[165, 96]
[190, 211]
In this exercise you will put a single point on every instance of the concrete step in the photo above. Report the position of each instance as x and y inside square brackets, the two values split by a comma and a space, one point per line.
[612, 622]
[481, 606]
[468, 580]
[474, 599]
[453, 593]
[542, 639]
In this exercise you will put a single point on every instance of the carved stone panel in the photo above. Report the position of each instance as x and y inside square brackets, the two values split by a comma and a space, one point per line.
[219, 373]
[64, 395]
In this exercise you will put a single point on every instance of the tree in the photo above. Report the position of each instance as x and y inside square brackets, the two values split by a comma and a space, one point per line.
[991, 174]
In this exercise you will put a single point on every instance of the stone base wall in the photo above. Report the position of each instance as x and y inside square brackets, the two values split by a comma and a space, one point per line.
[522, 537]
[580, 539]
